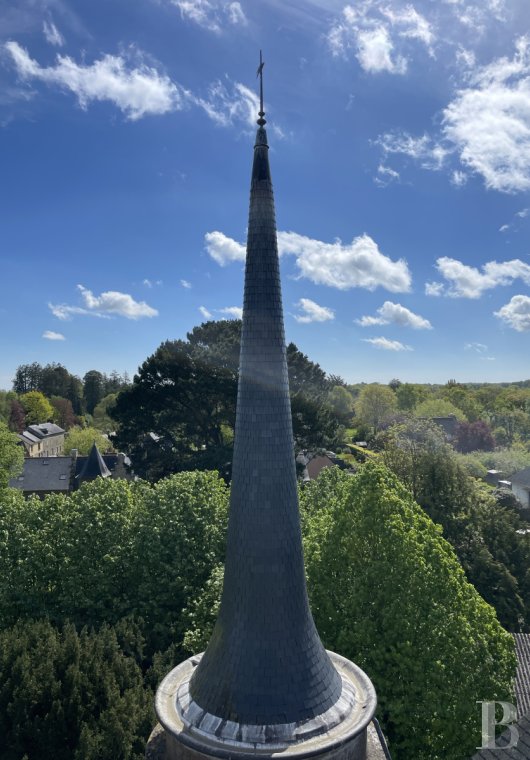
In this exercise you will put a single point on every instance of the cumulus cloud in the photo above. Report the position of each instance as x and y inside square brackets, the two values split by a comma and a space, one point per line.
[135, 90]
[210, 14]
[387, 345]
[52, 34]
[312, 312]
[470, 282]
[222, 249]
[488, 121]
[151, 283]
[205, 313]
[236, 312]
[434, 288]
[51, 335]
[376, 33]
[108, 304]
[357, 264]
[516, 313]
[185, 284]
[395, 313]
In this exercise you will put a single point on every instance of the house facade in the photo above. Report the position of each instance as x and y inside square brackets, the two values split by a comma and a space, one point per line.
[43, 440]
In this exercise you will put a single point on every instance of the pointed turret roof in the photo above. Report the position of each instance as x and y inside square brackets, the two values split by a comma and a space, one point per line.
[94, 466]
[265, 663]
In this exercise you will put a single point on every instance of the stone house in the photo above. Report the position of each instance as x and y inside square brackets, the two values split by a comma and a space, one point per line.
[43, 440]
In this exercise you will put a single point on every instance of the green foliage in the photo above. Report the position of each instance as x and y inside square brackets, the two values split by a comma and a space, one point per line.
[101, 417]
[186, 394]
[387, 591]
[36, 407]
[341, 401]
[438, 481]
[409, 395]
[83, 439]
[111, 549]
[65, 695]
[93, 389]
[376, 405]
[507, 460]
[11, 456]
[438, 407]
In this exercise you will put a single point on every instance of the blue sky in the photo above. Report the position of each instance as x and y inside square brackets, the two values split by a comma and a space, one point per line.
[400, 153]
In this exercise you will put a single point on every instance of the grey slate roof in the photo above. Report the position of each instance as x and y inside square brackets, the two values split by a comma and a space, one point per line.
[45, 429]
[41, 474]
[522, 678]
[522, 478]
[265, 663]
[521, 751]
[94, 466]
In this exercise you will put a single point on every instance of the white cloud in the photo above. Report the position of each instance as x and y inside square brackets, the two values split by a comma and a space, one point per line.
[223, 249]
[504, 228]
[110, 303]
[211, 14]
[185, 284]
[395, 313]
[151, 283]
[312, 312]
[359, 264]
[136, 91]
[488, 122]
[113, 302]
[523, 213]
[235, 14]
[429, 153]
[51, 335]
[385, 175]
[205, 313]
[458, 178]
[377, 32]
[229, 103]
[375, 52]
[470, 282]
[434, 288]
[52, 34]
[516, 313]
[411, 24]
[387, 345]
[479, 348]
[236, 312]
[64, 312]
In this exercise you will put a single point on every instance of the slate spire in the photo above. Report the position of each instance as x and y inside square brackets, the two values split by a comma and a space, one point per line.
[94, 466]
[265, 663]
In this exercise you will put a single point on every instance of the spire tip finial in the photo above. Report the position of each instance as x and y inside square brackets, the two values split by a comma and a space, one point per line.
[259, 73]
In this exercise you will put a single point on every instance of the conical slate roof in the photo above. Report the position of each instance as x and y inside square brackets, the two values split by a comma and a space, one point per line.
[265, 663]
[94, 466]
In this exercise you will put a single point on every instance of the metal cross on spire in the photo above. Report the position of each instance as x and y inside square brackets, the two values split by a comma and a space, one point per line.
[259, 73]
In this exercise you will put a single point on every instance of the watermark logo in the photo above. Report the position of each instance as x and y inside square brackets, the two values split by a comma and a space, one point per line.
[509, 716]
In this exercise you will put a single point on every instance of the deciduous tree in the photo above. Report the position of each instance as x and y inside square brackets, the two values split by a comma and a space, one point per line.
[36, 407]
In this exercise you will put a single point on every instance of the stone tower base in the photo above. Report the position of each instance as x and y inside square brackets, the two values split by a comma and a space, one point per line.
[186, 732]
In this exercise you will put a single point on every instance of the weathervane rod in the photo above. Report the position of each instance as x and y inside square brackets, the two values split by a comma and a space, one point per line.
[259, 73]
